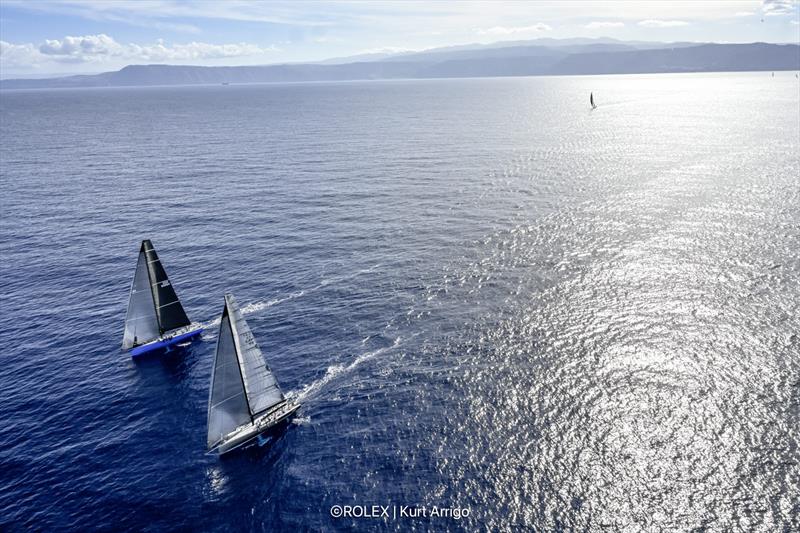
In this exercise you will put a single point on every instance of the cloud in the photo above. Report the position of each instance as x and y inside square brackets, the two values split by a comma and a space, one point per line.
[743, 14]
[100, 44]
[600, 25]
[778, 7]
[102, 48]
[653, 23]
[158, 13]
[323, 39]
[16, 54]
[387, 50]
[511, 30]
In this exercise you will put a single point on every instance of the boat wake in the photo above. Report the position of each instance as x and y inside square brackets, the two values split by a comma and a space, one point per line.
[253, 307]
[258, 306]
[336, 370]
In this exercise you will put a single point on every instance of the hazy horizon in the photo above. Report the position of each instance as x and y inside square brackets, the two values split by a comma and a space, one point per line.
[367, 56]
[72, 37]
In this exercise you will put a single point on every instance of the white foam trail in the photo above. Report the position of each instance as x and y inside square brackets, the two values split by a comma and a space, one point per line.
[255, 307]
[337, 370]
[301, 420]
[333, 370]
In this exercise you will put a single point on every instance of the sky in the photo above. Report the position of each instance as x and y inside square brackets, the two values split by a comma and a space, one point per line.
[41, 38]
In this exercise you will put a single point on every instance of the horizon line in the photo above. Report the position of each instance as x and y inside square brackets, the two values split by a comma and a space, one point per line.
[511, 43]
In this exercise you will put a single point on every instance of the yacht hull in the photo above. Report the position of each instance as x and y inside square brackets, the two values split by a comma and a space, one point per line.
[249, 434]
[164, 343]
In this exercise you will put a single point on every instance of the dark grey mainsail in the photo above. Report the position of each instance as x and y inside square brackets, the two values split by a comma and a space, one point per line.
[227, 403]
[141, 322]
[242, 384]
[153, 306]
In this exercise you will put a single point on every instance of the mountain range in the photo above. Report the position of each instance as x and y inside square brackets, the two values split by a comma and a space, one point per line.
[539, 57]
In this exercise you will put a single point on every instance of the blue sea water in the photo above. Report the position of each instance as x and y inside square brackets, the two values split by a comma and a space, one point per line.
[486, 296]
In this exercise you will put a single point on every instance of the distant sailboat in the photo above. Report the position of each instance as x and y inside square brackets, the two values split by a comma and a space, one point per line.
[591, 100]
[155, 317]
[245, 399]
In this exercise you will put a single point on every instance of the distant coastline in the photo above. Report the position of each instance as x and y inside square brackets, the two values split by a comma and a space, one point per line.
[517, 59]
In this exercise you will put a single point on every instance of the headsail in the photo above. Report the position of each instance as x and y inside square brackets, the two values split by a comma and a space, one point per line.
[168, 308]
[262, 388]
[141, 322]
[227, 403]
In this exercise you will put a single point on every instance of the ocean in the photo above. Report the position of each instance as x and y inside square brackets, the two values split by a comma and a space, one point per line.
[490, 299]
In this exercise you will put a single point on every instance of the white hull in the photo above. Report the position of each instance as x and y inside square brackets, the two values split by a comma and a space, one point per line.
[245, 434]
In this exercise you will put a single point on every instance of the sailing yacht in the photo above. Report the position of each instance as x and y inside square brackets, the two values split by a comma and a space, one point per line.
[591, 100]
[155, 319]
[245, 400]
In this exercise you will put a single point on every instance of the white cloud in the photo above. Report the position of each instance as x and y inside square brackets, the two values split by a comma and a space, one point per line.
[326, 39]
[653, 23]
[743, 14]
[16, 54]
[88, 45]
[386, 50]
[603, 24]
[511, 30]
[154, 13]
[102, 48]
[778, 7]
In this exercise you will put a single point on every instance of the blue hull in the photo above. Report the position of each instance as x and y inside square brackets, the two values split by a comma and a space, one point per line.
[161, 345]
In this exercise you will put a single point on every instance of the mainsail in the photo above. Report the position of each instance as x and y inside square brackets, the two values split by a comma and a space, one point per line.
[227, 404]
[591, 100]
[242, 384]
[153, 307]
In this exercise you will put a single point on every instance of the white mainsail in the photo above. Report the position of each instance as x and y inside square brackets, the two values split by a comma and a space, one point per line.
[141, 322]
[242, 384]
